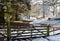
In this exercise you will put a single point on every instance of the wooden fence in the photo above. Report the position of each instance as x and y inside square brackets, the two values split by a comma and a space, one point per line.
[24, 31]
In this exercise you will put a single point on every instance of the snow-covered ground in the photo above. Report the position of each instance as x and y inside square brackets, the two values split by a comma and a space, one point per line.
[51, 38]
[39, 39]
[53, 21]
[54, 38]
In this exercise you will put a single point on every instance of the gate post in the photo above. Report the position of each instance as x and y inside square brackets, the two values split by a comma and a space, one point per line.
[48, 26]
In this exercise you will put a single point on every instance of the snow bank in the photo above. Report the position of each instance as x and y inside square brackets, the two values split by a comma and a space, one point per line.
[51, 38]
[39, 39]
[55, 37]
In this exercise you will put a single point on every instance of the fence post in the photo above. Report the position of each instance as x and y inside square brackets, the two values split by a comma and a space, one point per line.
[48, 26]
[31, 28]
